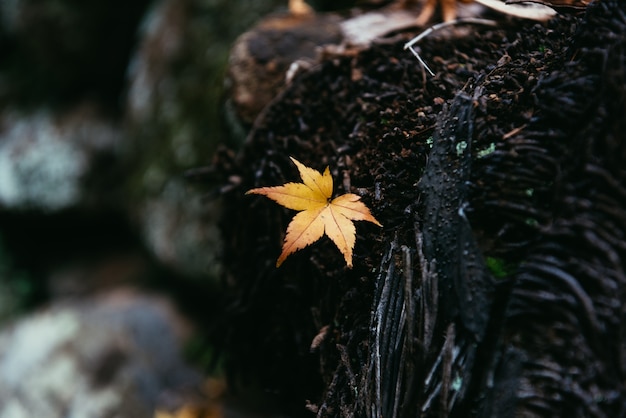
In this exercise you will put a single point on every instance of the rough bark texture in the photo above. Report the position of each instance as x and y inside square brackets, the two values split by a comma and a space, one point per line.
[496, 287]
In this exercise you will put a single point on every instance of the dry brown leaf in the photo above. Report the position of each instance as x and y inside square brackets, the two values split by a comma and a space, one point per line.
[192, 411]
[319, 214]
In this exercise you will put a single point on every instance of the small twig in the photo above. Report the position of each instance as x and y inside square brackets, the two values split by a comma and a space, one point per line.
[420, 60]
[439, 26]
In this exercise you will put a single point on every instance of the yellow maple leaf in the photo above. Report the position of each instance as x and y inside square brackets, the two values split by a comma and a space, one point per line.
[319, 214]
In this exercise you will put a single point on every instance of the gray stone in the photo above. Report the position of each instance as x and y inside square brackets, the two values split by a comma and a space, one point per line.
[180, 229]
[46, 157]
[112, 356]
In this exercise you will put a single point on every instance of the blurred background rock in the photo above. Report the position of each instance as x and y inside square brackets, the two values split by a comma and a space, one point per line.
[104, 105]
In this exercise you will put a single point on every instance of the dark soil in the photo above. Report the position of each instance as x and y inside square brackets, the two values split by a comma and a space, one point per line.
[501, 179]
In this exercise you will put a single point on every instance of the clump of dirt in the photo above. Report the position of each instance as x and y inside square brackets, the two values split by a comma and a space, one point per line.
[545, 198]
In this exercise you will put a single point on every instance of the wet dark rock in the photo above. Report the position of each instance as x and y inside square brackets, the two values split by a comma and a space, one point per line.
[513, 152]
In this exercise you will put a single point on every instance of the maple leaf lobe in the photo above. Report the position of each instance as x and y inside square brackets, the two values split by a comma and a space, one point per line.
[322, 183]
[296, 196]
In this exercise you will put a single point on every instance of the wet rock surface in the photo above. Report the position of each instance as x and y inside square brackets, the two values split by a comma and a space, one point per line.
[488, 290]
